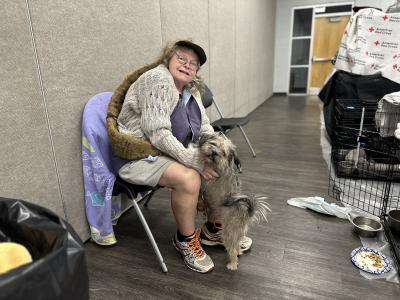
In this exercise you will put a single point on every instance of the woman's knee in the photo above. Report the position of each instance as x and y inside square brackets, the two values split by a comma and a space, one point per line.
[189, 180]
[180, 177]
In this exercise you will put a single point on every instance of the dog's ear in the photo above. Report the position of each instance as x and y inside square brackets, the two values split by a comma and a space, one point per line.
[238, 164]
[204, 138]
[233, 158]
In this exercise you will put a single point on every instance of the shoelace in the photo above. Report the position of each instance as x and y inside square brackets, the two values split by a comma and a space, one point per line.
[195, 245]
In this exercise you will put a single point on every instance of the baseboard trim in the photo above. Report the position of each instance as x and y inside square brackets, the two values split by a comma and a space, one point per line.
[314, 91]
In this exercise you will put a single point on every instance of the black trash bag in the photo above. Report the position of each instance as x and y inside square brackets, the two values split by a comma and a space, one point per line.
[58, 269]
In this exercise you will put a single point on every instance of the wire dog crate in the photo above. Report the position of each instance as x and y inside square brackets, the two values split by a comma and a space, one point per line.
[365, 161]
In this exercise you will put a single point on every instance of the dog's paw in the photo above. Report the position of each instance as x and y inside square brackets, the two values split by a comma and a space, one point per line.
[232, 266]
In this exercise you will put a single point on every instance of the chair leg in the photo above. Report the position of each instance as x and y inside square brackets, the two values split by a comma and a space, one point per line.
[150, 236]
[148, 198]
[247, 140]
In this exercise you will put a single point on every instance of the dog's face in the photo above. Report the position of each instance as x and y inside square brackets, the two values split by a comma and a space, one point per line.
[218, 152]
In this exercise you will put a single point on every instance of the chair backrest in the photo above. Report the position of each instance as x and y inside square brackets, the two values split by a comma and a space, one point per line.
[225, 124]
[95, 130]
[207, 97]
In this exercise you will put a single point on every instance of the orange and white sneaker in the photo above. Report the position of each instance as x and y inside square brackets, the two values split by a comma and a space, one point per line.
[214, 239]
[193, 254]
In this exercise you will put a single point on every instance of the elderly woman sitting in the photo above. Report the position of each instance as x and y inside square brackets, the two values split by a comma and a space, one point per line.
[164, 106]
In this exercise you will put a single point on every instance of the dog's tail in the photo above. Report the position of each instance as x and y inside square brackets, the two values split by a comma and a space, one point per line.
[255, 206]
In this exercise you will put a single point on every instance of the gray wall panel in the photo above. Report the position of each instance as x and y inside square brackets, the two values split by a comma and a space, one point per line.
[26, 166]
[222, 55]
[186, 19]
[245, 57]
[86, 48]
[254, 53]
[264, 19]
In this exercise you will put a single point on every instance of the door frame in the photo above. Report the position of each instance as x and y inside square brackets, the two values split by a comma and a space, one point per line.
[314, 8]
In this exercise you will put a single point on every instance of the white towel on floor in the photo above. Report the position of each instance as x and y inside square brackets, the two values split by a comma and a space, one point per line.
[318, 204]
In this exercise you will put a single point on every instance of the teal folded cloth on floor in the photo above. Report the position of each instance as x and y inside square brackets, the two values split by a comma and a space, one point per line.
[318, 204]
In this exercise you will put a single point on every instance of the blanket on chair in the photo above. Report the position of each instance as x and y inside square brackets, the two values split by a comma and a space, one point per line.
[100, 167]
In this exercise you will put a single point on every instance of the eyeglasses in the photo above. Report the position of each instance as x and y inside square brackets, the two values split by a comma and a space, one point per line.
[193, 64]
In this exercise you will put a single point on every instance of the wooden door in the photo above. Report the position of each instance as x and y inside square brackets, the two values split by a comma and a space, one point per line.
[327, 35]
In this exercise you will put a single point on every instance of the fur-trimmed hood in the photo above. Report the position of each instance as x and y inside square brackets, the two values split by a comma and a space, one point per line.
[125, 145]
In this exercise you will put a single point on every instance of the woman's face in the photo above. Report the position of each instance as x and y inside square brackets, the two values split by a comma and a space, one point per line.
[183, 67]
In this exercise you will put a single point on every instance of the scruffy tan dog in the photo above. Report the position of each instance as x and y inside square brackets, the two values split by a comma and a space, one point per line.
[236, 210]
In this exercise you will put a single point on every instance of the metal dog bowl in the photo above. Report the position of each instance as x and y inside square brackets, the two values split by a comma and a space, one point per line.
[366, 227]
[394, 219]
[340, 154]
[346, 167]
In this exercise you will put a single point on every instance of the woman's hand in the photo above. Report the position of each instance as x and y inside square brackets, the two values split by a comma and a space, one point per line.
[209, 173]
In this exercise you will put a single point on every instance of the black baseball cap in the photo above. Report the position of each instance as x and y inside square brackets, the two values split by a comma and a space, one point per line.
[196, 48]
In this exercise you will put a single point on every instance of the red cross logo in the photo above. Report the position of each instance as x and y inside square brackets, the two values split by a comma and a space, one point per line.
[394, 66]
[385, 17]
[371, 29]
[376, 43]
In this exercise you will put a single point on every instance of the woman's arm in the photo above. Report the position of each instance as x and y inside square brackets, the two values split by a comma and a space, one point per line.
[205, 121]
[159, 101]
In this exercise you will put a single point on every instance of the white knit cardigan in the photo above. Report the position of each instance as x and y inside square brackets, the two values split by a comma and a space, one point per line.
[146, 112]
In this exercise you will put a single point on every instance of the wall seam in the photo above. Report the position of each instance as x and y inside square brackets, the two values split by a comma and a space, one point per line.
[209, 54]
[39, 75]
[161, 25]
[209, 42]
[234, 59]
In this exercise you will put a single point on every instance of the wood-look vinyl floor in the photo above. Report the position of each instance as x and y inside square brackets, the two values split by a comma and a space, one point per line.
[299, 254]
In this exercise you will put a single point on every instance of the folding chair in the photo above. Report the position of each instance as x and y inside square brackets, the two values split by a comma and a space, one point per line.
[99, 157]
[225, 124]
